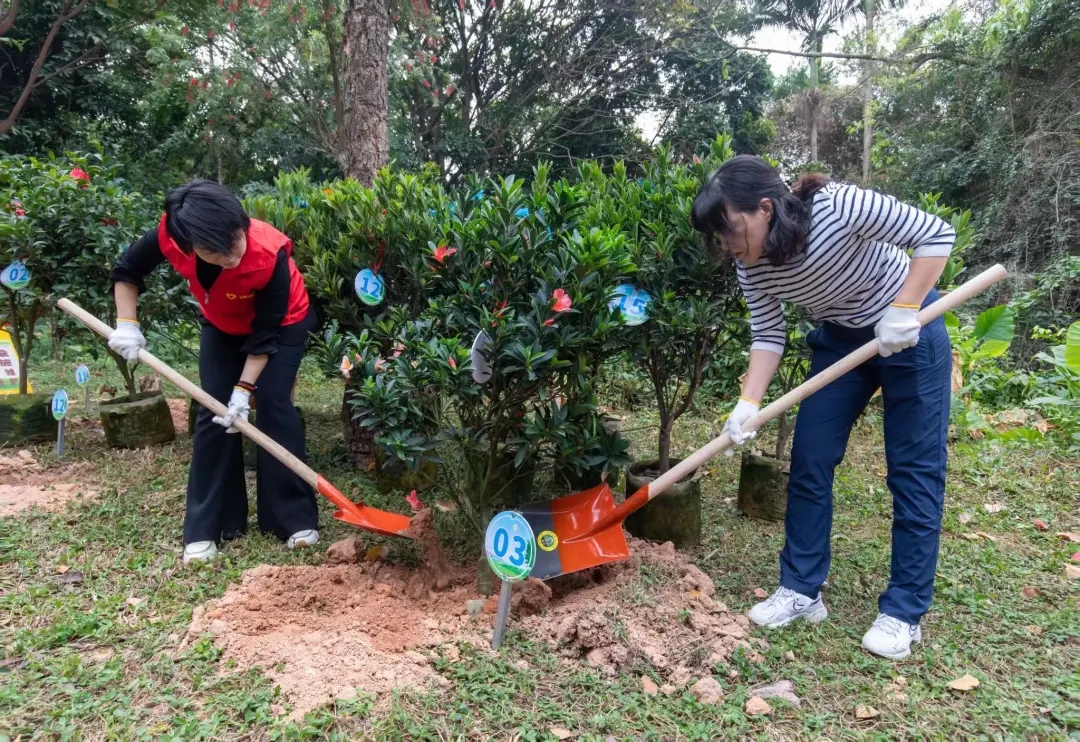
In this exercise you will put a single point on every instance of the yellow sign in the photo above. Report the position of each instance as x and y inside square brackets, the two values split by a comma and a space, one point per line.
[547, 540]
[9, 366]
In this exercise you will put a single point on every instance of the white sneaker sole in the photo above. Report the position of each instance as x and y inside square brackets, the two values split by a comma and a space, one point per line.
[813, 617]
[899, 655]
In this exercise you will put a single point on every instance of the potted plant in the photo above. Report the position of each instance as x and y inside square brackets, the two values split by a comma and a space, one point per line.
[694, 298]
[763, 478]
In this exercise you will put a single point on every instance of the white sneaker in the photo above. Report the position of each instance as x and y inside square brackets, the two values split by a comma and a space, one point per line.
[199, 551]
[784, 606]
[303, 538]
[890, 637]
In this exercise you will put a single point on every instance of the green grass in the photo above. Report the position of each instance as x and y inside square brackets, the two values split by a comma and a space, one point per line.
[88, 663]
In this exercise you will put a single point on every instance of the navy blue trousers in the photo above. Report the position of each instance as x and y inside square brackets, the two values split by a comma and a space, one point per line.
[915, 387]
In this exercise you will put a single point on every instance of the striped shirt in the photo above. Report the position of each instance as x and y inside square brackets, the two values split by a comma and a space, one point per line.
[854, 265]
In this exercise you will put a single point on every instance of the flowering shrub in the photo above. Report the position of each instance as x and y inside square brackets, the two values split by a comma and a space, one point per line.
[66, 219]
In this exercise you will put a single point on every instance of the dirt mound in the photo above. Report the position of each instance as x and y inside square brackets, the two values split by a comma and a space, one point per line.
[178, 408]
[25, 483]
[325, 632]
[654, 611]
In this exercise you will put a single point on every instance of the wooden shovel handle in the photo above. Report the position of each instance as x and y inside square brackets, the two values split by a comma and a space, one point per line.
[976, 285]
[268, 444]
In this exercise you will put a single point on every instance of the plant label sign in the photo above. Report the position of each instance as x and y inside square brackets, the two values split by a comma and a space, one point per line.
[9, 366]
[370, 287]
[481, 369]
[631, 303]
[510, 546]
[82, 376]
[15, 276]
[59, 404]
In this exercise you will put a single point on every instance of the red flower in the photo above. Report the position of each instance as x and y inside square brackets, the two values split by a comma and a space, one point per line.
[427, 84]
[210, 35]
[560, 301]
[20, 212]
[442, 252]
[193, 82]
[453, 363]
[232, 26]
[230, 82]
[80, 175]
[185, 31]
[549, 322]
[269, 95]
[434, 59]
[109, 222]
[414, 501]
[408, 68]
[697, 160]
[461, 4]
[449, 90]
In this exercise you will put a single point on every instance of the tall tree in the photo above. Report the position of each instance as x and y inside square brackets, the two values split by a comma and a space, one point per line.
[815, 20]
[365, 141]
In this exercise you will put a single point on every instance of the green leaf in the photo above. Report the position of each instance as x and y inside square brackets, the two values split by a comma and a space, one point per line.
[995, 327]
[951, 320]
[1072, 347]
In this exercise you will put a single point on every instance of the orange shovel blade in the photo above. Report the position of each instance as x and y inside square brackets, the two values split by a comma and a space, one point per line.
[558, 526]
[364, 516]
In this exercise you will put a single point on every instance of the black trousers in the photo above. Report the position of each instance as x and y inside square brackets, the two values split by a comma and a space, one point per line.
[217, 506]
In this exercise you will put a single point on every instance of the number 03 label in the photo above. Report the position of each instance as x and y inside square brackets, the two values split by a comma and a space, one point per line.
[510, 546]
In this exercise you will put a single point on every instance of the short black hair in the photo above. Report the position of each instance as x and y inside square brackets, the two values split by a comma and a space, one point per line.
[206, 214]
[741, 183]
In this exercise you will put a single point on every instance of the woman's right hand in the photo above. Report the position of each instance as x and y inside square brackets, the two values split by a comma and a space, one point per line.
[744, 410]
[127, 339]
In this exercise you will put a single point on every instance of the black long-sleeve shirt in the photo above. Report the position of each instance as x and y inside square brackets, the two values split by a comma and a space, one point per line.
[271, 301]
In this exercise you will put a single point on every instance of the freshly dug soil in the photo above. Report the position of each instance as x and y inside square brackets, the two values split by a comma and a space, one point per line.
[436, 572]
[25, 484]
[326, 632]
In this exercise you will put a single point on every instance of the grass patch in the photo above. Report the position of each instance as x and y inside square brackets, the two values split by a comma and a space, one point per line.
[99, 658]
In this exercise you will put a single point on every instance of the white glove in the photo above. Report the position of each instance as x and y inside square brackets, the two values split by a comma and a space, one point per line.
[898, 329]
[239, 407]
[127, 339]
[744, 410]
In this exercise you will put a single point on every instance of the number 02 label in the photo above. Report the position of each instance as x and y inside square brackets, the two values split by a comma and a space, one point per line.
[510, 546]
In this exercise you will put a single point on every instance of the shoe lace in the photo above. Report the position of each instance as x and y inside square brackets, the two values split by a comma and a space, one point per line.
[780, 596]
[892, 626]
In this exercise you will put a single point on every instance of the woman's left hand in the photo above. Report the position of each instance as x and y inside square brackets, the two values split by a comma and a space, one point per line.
[898, 329]
[239, 407]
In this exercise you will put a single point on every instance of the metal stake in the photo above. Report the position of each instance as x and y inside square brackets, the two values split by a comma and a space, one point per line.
[502, 615]
[87, 388]
[60, 440]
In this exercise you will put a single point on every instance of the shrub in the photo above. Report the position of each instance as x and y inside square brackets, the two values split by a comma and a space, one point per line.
[67, 219]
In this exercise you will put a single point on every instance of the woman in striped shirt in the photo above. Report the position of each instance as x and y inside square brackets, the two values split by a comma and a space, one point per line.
[841, 253]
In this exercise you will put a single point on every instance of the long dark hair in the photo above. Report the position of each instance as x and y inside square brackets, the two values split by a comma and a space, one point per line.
[741, 183]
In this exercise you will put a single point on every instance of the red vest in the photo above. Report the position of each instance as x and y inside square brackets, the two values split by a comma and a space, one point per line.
[229, 305]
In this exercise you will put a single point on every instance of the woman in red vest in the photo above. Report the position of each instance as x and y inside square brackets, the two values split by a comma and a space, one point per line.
[256, 318]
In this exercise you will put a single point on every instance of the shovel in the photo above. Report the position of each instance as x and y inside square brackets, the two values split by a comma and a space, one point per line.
[354, 513]
[584, 530]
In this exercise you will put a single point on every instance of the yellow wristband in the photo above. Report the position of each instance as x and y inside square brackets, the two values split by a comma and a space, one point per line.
[905, 306]
[751, 401]
[129, 321]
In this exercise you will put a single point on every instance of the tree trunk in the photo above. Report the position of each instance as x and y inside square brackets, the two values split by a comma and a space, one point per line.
[664, 446]
[365, 146]
[870, 9]
[815, 64]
